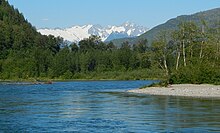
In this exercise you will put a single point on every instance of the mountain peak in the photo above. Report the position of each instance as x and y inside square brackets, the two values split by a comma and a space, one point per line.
[108, 33]
[129, 24]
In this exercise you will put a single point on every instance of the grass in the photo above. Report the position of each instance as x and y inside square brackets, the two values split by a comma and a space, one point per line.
[139, 74]
[159, 84]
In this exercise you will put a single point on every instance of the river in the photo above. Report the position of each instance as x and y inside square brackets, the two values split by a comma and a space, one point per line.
[103, 107]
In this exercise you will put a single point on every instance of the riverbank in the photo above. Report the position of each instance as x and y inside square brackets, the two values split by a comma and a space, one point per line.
[184, 90]
[70, 80]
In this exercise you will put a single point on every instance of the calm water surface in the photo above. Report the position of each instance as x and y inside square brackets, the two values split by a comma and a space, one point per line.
[101, 106]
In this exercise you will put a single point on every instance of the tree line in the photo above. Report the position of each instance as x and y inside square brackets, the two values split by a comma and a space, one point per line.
[190, 54]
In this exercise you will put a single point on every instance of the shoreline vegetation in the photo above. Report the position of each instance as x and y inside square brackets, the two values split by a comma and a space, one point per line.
[140, 74]
[182, 90]
[46, 80]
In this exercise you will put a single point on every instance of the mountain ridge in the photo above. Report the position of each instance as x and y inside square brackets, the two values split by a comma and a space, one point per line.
[79, 32]
[211, 17]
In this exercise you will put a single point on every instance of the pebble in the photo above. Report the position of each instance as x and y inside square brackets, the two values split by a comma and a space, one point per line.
[191, 90]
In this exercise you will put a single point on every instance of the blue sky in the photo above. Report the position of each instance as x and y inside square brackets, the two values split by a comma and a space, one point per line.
[66, 13]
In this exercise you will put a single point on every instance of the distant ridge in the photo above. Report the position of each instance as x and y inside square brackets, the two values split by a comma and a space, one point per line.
[78, 33]
[211, 17]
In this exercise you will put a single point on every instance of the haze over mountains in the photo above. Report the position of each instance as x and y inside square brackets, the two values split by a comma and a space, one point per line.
[77, 33]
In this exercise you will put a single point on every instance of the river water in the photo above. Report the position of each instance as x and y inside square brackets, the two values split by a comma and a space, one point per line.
[103, 107]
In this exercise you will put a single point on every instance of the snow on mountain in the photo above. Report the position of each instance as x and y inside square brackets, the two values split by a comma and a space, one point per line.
[77, 33]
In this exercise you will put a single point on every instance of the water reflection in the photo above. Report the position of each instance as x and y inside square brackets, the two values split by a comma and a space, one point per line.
[102, 107]
[172, 113]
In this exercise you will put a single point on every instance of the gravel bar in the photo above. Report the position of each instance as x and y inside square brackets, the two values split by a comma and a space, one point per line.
[185, 90]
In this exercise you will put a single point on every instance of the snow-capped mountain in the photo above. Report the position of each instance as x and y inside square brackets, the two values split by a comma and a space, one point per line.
[77, 33]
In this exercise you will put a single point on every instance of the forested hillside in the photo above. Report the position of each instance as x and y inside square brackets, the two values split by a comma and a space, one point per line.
[24, 52]
[211, 17]
[188, 54]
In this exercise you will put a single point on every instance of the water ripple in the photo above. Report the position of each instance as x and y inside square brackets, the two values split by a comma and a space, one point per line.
[102, 107]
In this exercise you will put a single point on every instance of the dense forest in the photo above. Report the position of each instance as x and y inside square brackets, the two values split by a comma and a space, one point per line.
[189, 54]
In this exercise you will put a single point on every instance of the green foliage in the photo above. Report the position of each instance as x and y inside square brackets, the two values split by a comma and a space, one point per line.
[200, 54]
[196, 74]
[159, 84]
[190, 54]
[24, 53]
[67, 75]
[141, 46]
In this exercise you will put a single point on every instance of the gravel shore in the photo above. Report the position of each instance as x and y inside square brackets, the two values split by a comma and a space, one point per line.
[185, 90]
